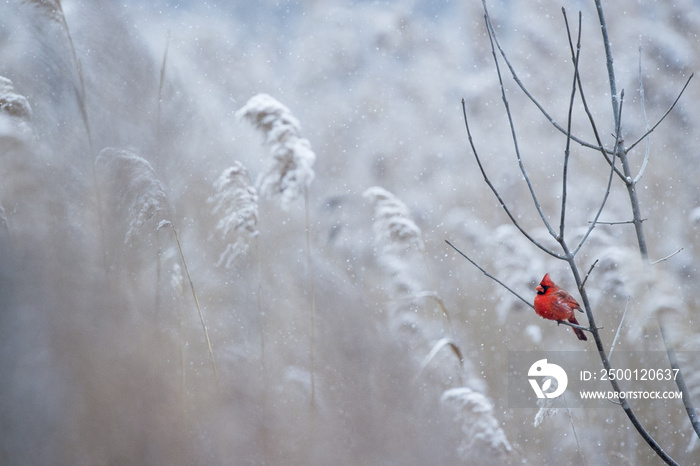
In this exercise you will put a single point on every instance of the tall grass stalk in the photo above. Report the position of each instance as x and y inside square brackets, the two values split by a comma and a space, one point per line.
[171, 224]
[235, 204]
[194, 293]
[312, 292]
[286, 177]
[53, 10]
[140, 196]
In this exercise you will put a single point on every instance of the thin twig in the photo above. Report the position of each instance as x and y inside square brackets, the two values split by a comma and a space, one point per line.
[623, 222]
[617, 333]
[647, 149]
[562, 322]
[666, 258]
[641, 138]
[527, 93]
[513, 134]
[496, 193]
[567, 150]
[607, 191]
[613, 168]
[489, 275]
[600, 147]
[585, 279]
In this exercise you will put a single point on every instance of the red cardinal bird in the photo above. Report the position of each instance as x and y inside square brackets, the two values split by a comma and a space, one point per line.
[554, 303]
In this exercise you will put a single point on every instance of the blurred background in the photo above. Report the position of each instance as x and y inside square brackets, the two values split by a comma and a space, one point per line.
[103, 359]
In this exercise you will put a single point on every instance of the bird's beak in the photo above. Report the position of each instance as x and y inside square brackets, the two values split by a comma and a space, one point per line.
[539, 289]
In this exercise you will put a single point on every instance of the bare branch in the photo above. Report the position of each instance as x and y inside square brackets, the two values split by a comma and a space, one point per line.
[513, 135]
[600, 147]
[663, 117]
[609, 60]
[667, 257]
[562, 322]
[567, 151]
[585, 279]
[646, 121]
[653, 444]
[607, 191]
[623, 222]
[617, 334]
[496, 193]
[489, 275]
[522, 87]
[613, 169]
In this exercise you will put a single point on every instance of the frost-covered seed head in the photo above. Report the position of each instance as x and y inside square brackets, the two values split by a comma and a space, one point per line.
[290, 172]
[236, 204]
[137, 190]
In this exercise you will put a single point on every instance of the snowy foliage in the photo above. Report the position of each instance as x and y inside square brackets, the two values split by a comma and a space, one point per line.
[236, 206]
[480, 428]
[132, 181]
[290, 171]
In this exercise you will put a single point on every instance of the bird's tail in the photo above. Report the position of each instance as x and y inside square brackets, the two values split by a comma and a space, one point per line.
[579, 333]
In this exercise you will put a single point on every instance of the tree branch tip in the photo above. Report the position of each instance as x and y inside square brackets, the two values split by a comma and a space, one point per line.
[667, 257]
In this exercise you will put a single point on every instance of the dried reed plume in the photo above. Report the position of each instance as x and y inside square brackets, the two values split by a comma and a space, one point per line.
[11, 103]
[290, 172]
[287, 177]
[140, 195]
[54, 12]
[51, 8]
[480, 428]
[236, 202]
[138, 192]
[397, 238]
